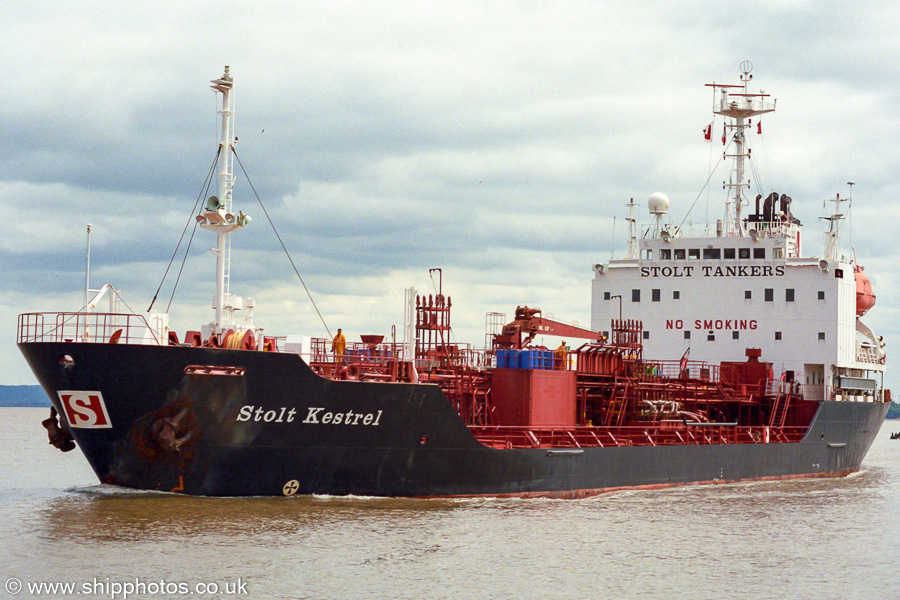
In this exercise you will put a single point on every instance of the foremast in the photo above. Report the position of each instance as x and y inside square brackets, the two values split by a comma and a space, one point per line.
[832, 234]
[217, 216]
[738, 107]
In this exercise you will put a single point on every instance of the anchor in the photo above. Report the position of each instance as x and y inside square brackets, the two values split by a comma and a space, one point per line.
[59, 436]
[165, 431]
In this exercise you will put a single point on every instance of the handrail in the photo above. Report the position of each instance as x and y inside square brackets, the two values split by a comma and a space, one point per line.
[92, 327]
[651, 434]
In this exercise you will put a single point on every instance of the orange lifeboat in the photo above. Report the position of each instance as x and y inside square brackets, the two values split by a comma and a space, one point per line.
[865, 298]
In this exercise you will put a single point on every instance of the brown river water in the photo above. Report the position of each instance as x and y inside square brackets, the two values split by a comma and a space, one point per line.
[836, 538]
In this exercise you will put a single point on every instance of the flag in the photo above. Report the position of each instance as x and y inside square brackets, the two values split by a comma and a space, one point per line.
[759, 127]
[707, 132]
[723, 135]
[684, 360]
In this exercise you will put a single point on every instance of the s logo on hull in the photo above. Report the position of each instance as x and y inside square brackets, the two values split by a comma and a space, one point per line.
[85, 410]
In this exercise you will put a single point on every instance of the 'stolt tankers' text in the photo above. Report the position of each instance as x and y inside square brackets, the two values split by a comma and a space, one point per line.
[710, 271]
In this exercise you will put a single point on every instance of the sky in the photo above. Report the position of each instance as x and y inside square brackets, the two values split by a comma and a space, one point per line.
[497, 140]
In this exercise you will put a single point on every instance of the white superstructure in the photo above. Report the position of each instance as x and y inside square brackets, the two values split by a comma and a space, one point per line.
[747, 285]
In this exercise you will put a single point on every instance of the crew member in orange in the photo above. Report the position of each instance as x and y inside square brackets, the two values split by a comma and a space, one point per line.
[338, 345]
[560, 355]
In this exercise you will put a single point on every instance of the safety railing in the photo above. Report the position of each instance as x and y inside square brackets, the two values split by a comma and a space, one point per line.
[657, 434]
[868, 354]
[89, 328]
[674, 369]
[775, 228]
[384, 353]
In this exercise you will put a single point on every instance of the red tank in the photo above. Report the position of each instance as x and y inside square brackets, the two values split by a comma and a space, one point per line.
[865, 298]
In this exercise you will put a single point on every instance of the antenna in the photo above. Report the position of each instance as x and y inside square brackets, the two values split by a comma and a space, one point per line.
[632, 230]
[612, 248]
[737, 107]
[217, 216]
[850, 216]
[658, 203]
[87, 269]
[832, 236]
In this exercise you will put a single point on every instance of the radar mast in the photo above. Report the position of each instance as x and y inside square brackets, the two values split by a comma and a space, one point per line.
[217, 215]
[737, 104]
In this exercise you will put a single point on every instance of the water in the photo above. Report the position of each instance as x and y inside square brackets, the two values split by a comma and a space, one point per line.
[799, 539]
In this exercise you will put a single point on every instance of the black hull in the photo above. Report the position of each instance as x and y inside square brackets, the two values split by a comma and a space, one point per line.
[393, 439]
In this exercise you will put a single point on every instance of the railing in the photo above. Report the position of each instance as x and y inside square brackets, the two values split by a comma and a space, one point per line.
[868, 354]
[320, 352]
[774, 229]
[654, 434]
[90, 327]
[671, 369]
[737, 101]
[387, 352]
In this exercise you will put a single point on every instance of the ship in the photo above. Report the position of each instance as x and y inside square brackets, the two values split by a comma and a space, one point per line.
[716, 356]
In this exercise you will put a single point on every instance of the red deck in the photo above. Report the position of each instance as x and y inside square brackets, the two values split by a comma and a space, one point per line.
[612, 397]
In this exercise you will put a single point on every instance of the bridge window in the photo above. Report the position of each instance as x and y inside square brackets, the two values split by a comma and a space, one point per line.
[710, 253]
[728, 253]
[646, 335]
[607, 295]
[777, 335]
[821, 294]
[693, 253]
[679, 253]
[821, 336]
[665, 254]
[654, 295]
[676, 295]
[759, 253]
[770, 295]
[743, 252]
[789, 295]
[747, 295]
